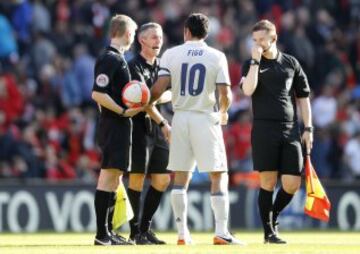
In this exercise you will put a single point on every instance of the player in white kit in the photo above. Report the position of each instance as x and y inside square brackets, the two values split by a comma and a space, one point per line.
[201, 96]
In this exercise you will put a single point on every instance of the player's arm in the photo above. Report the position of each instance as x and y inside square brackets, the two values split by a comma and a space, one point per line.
[165, 97]
[225, 99]
[157, 90]
[223, 89]
[250, 82]
[164, 78]
[161, 84]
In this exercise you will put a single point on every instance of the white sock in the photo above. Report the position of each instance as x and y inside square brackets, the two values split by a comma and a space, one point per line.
[179, 206]
[220, 207]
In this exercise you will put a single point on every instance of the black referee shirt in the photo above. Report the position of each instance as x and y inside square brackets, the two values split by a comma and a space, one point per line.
[111, 75]
[145, 72]
[280, 81]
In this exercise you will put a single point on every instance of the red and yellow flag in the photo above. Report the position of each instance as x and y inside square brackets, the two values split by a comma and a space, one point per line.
[317, 204]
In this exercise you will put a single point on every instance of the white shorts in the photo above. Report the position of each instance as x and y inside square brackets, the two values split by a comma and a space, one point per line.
[197, 137]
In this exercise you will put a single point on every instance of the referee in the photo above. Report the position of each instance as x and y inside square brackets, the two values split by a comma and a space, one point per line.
[114, 127]
[276, 81]
[150, 150]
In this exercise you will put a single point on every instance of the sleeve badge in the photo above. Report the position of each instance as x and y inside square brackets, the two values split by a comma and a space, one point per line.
[102, 80]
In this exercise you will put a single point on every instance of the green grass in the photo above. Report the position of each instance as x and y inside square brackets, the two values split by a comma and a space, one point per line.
[314, 242]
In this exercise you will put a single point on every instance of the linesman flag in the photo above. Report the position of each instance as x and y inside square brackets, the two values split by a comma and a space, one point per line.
[122, 211]
[317, 204]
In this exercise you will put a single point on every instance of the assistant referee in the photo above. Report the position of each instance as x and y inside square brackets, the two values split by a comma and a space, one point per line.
[276, 81]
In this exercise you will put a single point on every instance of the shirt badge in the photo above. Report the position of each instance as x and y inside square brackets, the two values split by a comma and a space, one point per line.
[102, 80]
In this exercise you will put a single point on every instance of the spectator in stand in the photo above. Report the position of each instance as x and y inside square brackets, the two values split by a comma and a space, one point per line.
[42, 52]
[11, 100]
[21, 20]
[324, 107]
[8, 45]
[83, 69]
[321, 152]
[352, 156]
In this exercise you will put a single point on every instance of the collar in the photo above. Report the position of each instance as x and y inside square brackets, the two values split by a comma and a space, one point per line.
[145, 62]
[196, 43]
[277, 58]
[113, 49]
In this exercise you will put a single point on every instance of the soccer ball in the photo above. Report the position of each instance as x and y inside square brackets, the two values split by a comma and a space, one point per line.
[135, 94]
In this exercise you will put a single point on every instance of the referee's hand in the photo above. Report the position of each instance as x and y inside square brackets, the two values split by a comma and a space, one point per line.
[130, 112]
[307, 139]
[256, 52]
[166, 130]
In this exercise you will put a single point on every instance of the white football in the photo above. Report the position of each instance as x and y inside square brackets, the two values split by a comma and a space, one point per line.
[135, 94]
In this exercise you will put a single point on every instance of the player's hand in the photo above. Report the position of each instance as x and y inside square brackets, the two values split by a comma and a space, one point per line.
[224, 118]
[166, 130]
[307, 139]
[130, 112]
[256, 52]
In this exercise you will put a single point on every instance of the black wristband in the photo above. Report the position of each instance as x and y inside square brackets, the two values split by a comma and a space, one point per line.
[162, 123]
[254, 62]
[123, 112]
[309, 129]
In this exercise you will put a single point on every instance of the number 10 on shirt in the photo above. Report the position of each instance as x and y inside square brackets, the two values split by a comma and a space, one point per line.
[188, 73]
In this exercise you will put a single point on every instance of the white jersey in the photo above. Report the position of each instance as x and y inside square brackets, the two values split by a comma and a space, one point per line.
[195, 70]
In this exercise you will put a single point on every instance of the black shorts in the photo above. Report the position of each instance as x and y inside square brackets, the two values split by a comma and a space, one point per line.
[150, 151]
[276, 146]
[113, 137]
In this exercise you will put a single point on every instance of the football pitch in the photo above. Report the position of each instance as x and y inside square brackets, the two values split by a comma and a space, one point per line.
[314, 242]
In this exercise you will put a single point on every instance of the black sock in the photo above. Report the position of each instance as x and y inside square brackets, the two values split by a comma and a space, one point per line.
[134, 198]
[281, 201]
[151, 203]
[101, 207]
[265, 206]
[111, 207]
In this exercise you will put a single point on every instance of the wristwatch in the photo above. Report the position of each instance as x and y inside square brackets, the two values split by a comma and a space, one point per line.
[309, 129]
[254, 62]
[163, 122]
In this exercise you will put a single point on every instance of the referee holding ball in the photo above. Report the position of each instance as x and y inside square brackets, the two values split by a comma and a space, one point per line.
[114, 127]
[276, 81]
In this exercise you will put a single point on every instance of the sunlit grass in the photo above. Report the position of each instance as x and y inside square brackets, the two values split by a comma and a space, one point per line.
[317, 242]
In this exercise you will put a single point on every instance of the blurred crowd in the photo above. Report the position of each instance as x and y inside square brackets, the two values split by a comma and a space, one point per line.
[48, 50]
